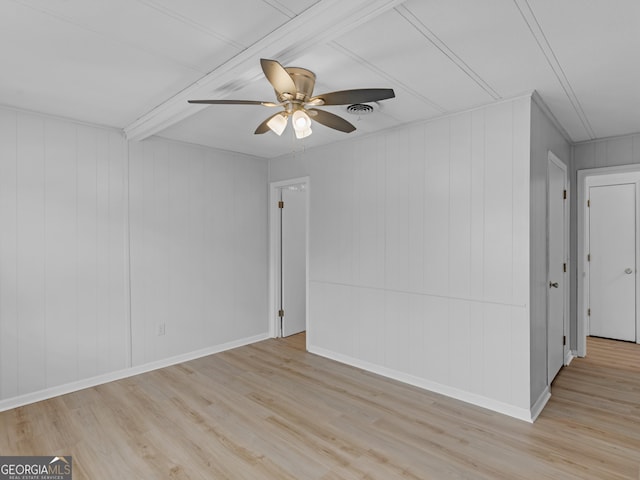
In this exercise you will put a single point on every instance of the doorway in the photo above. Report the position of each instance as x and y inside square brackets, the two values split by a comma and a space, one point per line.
[289, 225]
[557, 261]
[609, 225]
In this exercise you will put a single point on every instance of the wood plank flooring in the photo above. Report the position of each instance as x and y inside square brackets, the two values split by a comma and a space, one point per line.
[273, 411]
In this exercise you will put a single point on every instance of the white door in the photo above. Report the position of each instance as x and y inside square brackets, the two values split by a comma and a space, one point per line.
[612, 261]
[556, 267]
[293, 272]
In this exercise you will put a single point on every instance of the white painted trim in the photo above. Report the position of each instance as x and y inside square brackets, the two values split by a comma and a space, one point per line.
[553, 158]
[569, 358]
[472, 398]
[587, 178]
[47, 393]
[274, 187]
[539, 404]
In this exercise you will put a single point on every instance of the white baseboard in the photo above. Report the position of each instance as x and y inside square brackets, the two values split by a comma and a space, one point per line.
[568, 358]
[47, 393]
[537, 407]
[468, 397]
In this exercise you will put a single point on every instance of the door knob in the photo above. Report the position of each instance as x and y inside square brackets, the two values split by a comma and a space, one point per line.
[553, 284]
[628, 271]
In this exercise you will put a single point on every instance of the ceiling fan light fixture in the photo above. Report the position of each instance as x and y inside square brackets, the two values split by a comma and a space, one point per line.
[303, 133]
[294, 90]
[301, 121]
[277, 123]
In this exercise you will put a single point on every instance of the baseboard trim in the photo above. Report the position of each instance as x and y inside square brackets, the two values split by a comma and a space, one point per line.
[51, 392]
[537, 407]
[452, 392]
[568, 358]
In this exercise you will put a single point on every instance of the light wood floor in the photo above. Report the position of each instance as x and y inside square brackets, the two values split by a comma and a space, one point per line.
[273, 411]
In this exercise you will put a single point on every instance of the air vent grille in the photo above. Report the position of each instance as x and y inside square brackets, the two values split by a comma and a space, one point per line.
[360, 109]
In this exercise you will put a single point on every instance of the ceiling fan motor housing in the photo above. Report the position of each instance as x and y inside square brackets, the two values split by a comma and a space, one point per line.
[305, 81]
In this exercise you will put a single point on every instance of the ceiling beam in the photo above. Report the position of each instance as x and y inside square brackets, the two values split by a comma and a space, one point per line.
[319, 24]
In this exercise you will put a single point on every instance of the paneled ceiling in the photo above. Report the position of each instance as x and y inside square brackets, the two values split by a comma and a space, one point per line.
[132, 64]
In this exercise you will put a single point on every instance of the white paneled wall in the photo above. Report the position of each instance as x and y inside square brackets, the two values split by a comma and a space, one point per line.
[545, 137]
[419, 253]
[198, 248]
[63, 290]
[608, 152]
[102, 240]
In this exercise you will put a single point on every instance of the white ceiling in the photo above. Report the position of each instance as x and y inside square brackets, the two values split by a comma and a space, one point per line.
[132, 64]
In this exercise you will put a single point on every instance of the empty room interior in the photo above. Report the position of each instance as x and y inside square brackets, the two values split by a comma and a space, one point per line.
[321, 239]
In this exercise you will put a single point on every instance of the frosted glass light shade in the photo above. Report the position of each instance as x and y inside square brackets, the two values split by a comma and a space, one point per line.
[277, 124]
[300, 121]
[303, 133]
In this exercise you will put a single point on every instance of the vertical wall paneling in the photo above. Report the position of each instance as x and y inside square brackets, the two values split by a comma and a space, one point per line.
[397, 330]
[87, 251]
[497, 348]
[436, 208]
[61, 266]
[607, 152]
[369, 188]
[437, 343]
[119, 329]
[477, 188]
[420, 253]
[619, 152]
[520, 198]
[103, 242]
[63, 309]
[249, 200]
[498, 194]
[397, 212]
[460, 206]
[31, 237]
[198, 248]
[8, 255]
[415, 147]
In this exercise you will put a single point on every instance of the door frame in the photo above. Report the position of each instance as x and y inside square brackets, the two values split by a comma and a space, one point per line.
[567, 355]
[588, 178]
[274, 254]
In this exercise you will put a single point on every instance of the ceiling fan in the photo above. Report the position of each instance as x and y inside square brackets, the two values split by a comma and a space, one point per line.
[294, 92]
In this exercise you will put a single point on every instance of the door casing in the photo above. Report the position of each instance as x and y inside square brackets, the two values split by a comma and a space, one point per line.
[558, 275]
[274, 254]
[588, 178]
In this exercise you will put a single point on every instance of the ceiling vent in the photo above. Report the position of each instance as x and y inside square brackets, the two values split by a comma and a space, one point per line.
[360, 109]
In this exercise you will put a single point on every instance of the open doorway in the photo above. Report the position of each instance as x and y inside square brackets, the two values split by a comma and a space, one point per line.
[289, 259]
[608, 248]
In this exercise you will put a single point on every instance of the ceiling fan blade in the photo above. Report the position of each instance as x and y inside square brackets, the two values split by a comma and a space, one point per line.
[278, 77]
[361, 95]
[332, 121]
[234, 102]
[263, 127]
